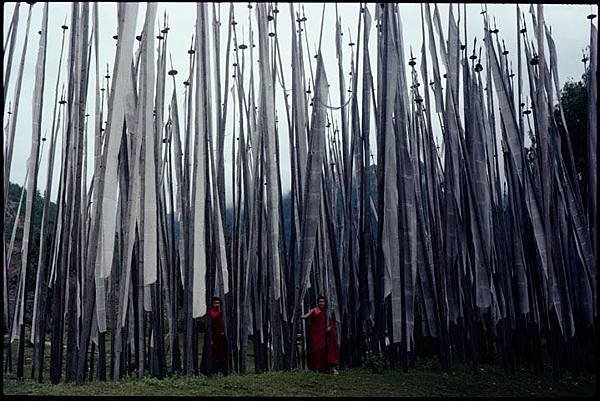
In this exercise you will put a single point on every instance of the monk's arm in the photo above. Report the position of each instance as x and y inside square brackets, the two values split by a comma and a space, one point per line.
[307, 314]
[331, 323]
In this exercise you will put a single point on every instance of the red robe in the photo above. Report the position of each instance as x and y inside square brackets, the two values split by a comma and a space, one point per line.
[322, 346]
[219, 360]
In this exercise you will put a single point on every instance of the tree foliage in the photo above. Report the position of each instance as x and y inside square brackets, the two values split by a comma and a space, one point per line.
[573, 99]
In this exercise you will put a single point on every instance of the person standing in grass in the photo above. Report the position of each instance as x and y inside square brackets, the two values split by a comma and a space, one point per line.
[323, 352]
[218, 342]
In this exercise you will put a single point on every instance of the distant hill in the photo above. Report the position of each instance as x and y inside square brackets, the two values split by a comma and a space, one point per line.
[12, 203]
[12, 270]
[287, 207]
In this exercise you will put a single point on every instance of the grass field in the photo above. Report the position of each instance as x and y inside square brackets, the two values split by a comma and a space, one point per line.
[424, 380]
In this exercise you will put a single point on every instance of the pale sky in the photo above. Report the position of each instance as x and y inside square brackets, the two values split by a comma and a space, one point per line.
[570, 30]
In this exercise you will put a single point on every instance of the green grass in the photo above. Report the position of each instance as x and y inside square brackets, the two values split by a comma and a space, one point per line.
[424, 380]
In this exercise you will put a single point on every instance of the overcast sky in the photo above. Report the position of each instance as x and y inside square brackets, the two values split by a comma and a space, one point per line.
[570, 30]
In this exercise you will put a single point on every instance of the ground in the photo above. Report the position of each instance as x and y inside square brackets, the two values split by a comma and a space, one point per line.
[422, 381]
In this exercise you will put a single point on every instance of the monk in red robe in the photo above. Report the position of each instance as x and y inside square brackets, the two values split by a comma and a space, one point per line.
[219, 360]
[323, 352]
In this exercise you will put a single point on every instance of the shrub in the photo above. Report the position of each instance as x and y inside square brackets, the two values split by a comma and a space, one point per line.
[376, 363]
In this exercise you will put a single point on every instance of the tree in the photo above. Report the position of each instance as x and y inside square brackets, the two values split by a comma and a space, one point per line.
[573, 98]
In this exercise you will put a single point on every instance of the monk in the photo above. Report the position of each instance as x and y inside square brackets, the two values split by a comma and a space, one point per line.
[323, 353]
[218, 340]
